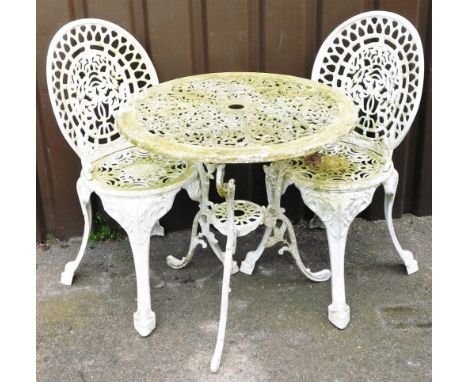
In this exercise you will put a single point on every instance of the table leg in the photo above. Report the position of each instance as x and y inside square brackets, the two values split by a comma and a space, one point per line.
[277, 225]
[202, 223]
[248, 264]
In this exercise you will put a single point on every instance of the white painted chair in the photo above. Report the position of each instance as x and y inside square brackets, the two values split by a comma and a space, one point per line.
[93, 67]
[377, 59]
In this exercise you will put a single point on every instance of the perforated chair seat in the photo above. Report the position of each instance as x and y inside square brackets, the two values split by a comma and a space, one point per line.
[341, 166]
[134, 169]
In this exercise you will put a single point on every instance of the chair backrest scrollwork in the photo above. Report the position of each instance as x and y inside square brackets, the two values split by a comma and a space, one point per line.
[377, 59]
[93, 67]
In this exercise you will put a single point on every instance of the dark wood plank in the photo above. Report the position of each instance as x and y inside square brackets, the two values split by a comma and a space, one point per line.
[290, 41]
[185, 37]
[57, 165]
[170, 41]
[228, 44]
[334, 12]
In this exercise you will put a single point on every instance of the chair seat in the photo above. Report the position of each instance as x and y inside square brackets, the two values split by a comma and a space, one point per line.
[134, 169]
[247, 217]
[341, 166]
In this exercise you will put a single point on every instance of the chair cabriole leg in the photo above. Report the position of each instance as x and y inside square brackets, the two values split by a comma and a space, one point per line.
[137, 216]
[144, 319]
[338, 310]
[84, 194]
[337, 210]
[390, 186]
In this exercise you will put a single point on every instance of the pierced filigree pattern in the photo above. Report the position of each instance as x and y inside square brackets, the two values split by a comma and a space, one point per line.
[138, 170]
[341, 165]
[247, 216]
[237, 117]
[92, 69]
[378, 61]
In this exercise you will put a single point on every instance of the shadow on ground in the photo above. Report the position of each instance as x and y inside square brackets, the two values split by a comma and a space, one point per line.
[277, 324]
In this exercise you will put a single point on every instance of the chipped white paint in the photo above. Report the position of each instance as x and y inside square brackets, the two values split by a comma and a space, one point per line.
[93, 67]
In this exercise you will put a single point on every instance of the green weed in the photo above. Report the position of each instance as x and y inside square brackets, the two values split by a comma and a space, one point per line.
[102, 230]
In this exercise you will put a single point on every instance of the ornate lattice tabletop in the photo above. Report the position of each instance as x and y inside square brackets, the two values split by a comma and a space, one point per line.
[237, 117]
[219, 118]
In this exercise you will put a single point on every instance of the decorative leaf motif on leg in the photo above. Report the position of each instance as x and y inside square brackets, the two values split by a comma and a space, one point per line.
[337, 209]
[138, 215]
[195, 240]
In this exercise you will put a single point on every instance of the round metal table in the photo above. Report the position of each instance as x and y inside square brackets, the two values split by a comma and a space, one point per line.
[239, 117]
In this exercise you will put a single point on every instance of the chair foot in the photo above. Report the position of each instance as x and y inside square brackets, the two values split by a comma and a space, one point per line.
[412, 265]
[144, 323]
[66, 278]
[339, 316]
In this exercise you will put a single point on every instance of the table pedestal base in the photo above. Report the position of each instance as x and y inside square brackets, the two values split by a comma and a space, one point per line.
[200, 220]
[279, 228]
[276, 234]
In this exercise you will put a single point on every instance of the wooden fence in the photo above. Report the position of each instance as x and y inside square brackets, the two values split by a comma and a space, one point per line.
[186, 37]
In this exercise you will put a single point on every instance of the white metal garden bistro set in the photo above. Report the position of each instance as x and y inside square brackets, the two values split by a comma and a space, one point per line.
[141, 142]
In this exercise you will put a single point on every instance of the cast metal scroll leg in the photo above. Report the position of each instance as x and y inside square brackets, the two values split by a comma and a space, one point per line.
[291, 247]
[84, 194]
[195, 240]
[213, 242]
[230, 249]
[216, 360]
[248, 264]
[390, 186]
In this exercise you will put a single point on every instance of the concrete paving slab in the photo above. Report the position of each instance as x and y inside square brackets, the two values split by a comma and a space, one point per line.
[277, 324]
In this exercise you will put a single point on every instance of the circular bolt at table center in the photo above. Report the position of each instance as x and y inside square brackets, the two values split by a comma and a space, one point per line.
[236, 106]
